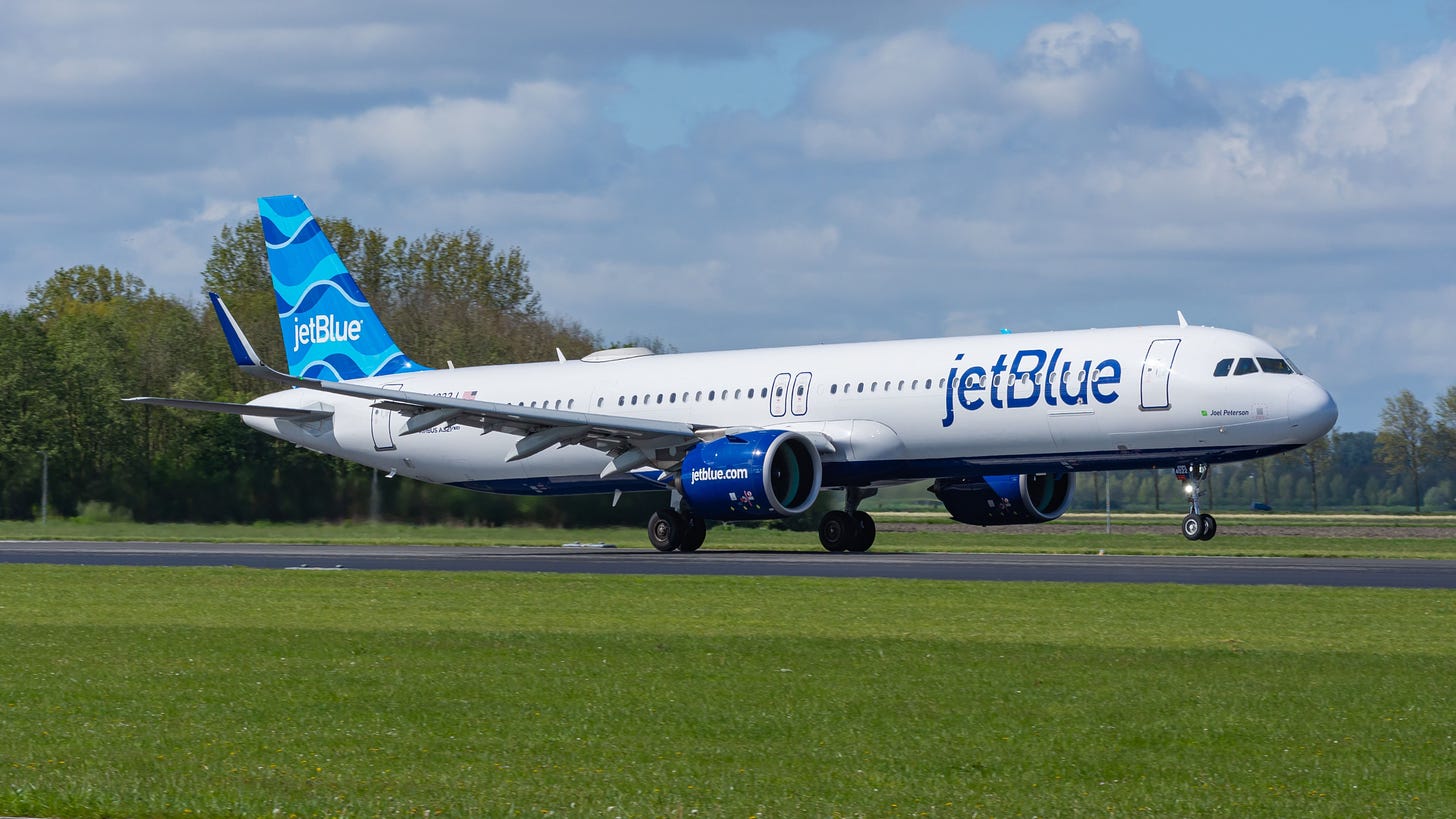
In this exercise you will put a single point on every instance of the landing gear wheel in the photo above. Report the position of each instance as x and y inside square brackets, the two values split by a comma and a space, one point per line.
[1193, 527]
[666, 529]
[866, 534]
[695, 534]
[838, 530]
[1208, 527]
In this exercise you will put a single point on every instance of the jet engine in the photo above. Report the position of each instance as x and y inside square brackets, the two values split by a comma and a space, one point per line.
[752, 476]
[1000, 500]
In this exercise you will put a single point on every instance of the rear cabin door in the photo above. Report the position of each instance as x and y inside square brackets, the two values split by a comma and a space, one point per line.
[1157, 369]
[382, 424]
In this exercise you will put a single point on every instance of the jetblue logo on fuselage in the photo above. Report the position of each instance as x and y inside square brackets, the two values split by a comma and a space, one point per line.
[321, 328]
[1033, 377]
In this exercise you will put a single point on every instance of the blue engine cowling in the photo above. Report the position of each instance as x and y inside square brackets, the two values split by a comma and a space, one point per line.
[752, 475]
[1000, 500]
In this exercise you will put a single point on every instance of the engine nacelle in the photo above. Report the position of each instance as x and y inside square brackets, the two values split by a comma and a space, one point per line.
[752, 475]
[1000, 500]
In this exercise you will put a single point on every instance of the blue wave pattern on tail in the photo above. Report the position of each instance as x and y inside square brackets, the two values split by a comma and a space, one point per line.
[329, 330]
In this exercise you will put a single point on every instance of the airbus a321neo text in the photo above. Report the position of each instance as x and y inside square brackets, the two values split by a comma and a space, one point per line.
[1000, 424]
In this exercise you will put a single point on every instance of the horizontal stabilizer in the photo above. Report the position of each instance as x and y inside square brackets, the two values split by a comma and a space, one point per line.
[291, 413]
[242, 351]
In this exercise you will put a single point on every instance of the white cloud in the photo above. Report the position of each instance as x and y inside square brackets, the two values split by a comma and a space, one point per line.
[1082, 66]
[489, 141]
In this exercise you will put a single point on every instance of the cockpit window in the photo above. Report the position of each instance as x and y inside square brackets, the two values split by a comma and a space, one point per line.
[1246, 366]
[1275, 365]
[1223, 367]
[1292, 365]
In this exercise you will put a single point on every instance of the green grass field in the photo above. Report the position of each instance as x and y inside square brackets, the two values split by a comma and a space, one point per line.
[234, 692]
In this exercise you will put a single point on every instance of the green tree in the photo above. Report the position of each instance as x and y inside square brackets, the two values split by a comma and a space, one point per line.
[1445, 431]
[1314, 458]
[82, 287]
[1404, 443]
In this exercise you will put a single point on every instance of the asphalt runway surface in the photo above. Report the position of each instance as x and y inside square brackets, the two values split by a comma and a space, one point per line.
[1426, 574]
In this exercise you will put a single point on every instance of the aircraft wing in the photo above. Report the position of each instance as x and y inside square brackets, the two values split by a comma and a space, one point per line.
[291, 413]
[632, 442]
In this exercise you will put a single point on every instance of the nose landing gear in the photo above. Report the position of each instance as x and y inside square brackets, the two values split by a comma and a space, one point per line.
[1197, 524]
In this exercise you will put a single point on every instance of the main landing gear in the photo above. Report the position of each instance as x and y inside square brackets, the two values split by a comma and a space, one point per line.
[1197, 524]
[677, 528]
[671, 530]
[849, 530]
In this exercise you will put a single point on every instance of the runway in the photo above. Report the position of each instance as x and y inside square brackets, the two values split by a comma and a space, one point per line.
[1425, 574]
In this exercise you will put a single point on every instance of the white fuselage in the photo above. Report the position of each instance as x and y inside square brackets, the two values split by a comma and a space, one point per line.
[891, 411]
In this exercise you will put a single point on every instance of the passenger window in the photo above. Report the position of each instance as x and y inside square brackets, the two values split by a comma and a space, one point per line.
[860, 388]
[699, 396]
[1278, 366]
[750, 392]
[659, 398]
[672, 399]
[873, 385]
[833, 389]
[737, 394]
[1246, 366]
[900, 387]
[1222, 368]
[621, 400]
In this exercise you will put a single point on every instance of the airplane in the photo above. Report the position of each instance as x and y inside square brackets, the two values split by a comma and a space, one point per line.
[999, 424]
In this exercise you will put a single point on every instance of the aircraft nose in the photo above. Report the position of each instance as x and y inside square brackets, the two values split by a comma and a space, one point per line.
[1312, 410]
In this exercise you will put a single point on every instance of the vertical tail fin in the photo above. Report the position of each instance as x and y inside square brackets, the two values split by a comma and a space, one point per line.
[329, 330]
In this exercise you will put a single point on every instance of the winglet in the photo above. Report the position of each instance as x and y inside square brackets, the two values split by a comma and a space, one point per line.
[243, 352]
[1182, 322]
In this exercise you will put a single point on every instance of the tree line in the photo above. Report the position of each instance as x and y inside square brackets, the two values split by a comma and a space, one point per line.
[89, 336]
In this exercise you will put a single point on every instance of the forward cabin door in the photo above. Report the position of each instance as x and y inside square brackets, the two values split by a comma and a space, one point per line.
[1157, 369]
[779, 402]
[800, 401]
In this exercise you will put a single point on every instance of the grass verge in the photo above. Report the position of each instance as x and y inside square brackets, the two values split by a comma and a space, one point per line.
[185, 692]
[1234, 539]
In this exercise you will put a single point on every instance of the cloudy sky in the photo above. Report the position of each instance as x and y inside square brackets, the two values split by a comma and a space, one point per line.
[760, 173]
